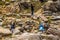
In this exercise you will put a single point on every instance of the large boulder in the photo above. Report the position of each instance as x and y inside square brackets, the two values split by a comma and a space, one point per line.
[54, 31]
[51, 7]
[27, 36]
[35, 36]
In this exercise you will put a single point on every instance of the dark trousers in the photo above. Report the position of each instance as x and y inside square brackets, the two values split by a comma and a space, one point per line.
[32, 12]
[12, 30]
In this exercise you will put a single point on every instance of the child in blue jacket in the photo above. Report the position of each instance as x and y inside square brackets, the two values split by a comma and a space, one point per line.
[41, 27]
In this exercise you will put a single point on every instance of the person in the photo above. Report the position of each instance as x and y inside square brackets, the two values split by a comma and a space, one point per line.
[41, 27]
[12, 27]
[32, 9]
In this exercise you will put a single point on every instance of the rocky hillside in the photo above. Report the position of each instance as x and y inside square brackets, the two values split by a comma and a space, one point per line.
[52, 10]
[26, 25]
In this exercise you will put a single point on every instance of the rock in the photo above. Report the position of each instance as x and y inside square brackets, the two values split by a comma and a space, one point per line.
[16, 31]
[51, 7]
[4, 31]
[12, 0]
[34, 17]
[50, 37]
[18, 20]
[35, 36]
[53, 31]
[48, 13]
[8, 14]
[21, 29]
[43, 39]
[1, 23]
[24, 5]
[29, 36]
[28, 28]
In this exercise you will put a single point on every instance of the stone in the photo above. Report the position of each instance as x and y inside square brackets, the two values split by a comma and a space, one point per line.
[18, 20]
[22, 29]
[51, 7]
[1, 23]
[35, 36]
[16, 31]
[29, 36]
[34, 17]
[53, 31]
[47, 13]
[50, 37]
[13, 0]
[4, 31]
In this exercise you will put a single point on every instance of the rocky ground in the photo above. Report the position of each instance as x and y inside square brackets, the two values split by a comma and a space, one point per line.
[27, 25]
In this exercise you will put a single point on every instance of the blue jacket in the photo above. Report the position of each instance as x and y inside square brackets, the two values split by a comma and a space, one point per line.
[41, 27]
[13, 26]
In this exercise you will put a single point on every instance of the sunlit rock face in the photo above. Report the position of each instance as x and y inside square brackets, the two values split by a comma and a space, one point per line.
[33, 36]
[52, 7]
